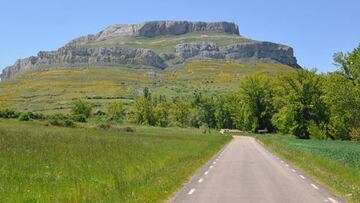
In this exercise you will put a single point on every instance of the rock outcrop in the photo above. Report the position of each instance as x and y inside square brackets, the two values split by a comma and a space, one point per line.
[256, 50]
[159, 28]
[76, 52]
[82, 55]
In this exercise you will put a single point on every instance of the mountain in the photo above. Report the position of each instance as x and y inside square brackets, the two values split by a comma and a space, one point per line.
[172, 58]
[159, 44]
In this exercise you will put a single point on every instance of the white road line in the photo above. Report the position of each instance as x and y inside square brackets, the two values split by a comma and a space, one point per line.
[293, 170]
[211, 166]
[217, 159]
[301, 176]
[282, 161]
[287, 165]
[207, 172]
[201, 180]
[191, 191]
[332, 200]
[314, 186]
[214, 162]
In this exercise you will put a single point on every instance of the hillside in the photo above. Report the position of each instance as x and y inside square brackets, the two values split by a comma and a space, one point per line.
[170, 57]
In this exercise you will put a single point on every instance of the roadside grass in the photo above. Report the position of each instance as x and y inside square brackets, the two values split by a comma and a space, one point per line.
[54, 90]
[53, 164]
[335, 164]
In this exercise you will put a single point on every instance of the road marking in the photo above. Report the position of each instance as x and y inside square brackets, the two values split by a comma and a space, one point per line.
[211, 166]
[201, 180]
[191, 191]
[207, 172]
[314, 186]
[214, 162]
[301, 176]
[293, 170]
[217, 159]
[287, 165]
[282, 161]
[332, 200]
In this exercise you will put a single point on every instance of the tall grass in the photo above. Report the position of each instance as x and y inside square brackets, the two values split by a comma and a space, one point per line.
[53, 164]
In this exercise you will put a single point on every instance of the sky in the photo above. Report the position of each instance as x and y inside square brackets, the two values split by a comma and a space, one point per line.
[316, 29]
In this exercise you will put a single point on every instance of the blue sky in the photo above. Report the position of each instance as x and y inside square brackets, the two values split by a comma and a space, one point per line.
[314, 28]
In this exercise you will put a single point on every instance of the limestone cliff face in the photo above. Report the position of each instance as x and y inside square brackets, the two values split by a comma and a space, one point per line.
[254, 50]
[77, 53]
[81, 55]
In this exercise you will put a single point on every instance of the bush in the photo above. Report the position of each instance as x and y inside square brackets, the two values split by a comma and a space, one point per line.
[60, 120]
[24, 116]
[316, 132]
[81, 107]
[78, 118]
[355, 134]
[36, 116]
[8, 113]
[116, 111]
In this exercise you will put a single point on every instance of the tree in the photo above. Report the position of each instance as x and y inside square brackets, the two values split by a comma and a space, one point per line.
[116, 111]
[299, 103]
[180, 111]
[223, 111]
[204, 107]
[256, 103]
[81, 107]
[343, 96]
[143, 111]
[162, 112]
[349, 64]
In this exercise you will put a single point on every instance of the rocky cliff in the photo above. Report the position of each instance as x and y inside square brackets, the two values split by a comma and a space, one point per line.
[77, 53]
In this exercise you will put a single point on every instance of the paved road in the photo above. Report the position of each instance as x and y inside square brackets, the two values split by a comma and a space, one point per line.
[246, 172]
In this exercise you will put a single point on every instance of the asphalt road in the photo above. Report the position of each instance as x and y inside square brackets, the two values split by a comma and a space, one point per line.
[244, 171]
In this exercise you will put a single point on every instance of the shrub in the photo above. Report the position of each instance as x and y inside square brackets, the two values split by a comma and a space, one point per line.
[78, 118]
[60, 120]
[8, 113]
[355, 134]
[81, 107]
[24, 116]
[116, 111]
[36, 116]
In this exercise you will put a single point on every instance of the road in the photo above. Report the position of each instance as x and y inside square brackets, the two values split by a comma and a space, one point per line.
[244, 171]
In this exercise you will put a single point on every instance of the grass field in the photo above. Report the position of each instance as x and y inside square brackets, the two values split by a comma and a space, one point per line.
[53, 164]
[54, 90]
[336, 164]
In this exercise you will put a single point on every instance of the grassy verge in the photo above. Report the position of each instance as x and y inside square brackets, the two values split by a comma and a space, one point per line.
[335, 164]
[53, 164]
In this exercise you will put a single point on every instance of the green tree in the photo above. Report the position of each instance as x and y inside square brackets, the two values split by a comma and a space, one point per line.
[116, 111]
[180, 111]
[143, 109]
[81, 107]
[349, 64]
[205, 108]
[162, 112]
[256, 103]
[300, 104]
[223, 111]
[343, 96]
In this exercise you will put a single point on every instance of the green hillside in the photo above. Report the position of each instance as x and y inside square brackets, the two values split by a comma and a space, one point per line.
[166, 44]
[54, 90]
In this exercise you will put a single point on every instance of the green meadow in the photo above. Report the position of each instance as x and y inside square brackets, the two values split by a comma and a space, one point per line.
[52, 164]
